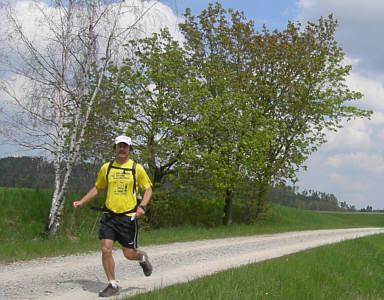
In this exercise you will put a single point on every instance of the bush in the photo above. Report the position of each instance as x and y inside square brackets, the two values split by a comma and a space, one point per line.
[172, 210]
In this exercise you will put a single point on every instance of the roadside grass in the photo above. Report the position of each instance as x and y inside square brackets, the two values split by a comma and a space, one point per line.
[351, 269]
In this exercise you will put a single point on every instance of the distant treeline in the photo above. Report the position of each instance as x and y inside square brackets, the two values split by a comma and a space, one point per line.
[37, 172]
[308, 199]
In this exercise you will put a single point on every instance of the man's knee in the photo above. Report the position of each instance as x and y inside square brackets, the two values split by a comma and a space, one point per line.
[106, 248]
[131, 254]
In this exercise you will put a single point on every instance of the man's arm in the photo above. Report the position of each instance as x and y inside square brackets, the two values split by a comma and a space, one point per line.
[146, 197]
[92, 193]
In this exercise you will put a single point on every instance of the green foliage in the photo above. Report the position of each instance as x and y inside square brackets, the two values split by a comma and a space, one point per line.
[152, 94]
[173, 210]
[273, 96]
[230, 106]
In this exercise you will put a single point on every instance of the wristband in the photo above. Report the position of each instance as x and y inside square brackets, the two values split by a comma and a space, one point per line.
[143, 207]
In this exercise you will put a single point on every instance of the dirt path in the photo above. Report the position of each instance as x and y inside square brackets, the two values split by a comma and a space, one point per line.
[82, 276]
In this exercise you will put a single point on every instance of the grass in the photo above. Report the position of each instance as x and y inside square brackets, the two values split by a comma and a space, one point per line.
[347, 270]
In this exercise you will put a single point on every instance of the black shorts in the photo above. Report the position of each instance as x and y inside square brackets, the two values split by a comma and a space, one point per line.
[119, 228]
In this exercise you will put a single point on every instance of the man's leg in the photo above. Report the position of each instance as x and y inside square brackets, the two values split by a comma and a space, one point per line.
[132, 254]
[141, 256]
[107, 258]
[109, 268]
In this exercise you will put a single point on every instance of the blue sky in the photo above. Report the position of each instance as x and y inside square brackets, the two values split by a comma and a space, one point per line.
[351, 164]
[273, 13]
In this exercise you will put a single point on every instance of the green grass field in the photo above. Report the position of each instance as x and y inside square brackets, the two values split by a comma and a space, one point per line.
[347, 270]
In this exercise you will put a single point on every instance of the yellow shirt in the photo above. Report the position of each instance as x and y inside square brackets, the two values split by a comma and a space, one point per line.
[120, 196]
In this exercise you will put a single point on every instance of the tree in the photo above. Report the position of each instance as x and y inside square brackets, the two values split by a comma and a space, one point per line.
[302, 72]
[276, 92]
[226, 143]
[78, 39]
[155, 91]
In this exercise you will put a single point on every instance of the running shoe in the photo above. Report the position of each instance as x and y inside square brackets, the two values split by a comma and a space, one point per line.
[110, 291]
[146, 265]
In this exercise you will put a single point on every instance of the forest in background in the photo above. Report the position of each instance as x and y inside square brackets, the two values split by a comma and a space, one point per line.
[37, 172]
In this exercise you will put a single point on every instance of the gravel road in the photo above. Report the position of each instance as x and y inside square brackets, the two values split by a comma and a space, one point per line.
[82, 276]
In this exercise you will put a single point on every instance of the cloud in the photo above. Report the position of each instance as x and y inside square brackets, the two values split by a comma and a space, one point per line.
[306, 4]
[371, 88]
[137, 19]
[351, 184]
[146, 17]
[355, 135]
[348, 182]
[351, 163]
[360, 161]
[359, 31]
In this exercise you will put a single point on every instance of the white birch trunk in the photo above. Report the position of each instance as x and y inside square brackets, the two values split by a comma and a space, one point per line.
[77, 134]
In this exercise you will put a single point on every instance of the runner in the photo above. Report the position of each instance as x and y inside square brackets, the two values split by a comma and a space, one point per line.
[118, 223]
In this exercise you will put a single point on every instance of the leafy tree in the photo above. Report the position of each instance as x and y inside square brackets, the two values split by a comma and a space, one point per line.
[276, 94]
[301, 81]
[154, 92]
[227, 138]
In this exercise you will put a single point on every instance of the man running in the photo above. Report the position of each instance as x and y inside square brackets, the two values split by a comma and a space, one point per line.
[118, 223]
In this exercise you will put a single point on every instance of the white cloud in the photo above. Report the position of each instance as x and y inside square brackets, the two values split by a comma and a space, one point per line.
[355, 135]
[360, 26]
[367, 162]
[371, 88]
[347, 182]
[351, 184]
[305, 4]
[138, 19]
[377, 118]
[359, 200]
[351, 164]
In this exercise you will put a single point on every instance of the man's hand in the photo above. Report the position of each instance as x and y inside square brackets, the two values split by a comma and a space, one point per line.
[92, 193]
[77, 204]
[139, 212]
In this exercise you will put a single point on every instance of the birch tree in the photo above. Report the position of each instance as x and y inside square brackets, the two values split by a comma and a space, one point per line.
[48, 76]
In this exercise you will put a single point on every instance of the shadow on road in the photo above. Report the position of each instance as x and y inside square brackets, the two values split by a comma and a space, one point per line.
[97, 286]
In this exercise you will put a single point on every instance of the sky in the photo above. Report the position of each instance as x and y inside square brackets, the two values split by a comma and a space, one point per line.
[351, 164]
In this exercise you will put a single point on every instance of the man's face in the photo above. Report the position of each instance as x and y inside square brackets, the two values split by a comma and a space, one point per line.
[122, 150]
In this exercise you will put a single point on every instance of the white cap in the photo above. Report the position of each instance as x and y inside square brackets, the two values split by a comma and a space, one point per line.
[123, 139]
